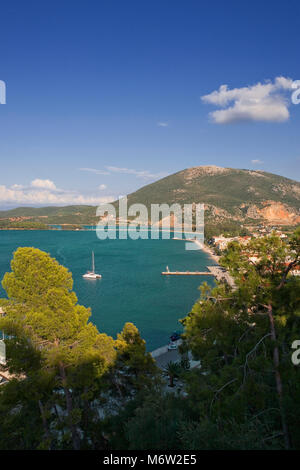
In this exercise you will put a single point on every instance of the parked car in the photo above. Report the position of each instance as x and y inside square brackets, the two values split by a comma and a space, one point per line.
[175, 336]
[172, 345]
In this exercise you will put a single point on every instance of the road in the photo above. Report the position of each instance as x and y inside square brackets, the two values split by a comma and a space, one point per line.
[163, 359]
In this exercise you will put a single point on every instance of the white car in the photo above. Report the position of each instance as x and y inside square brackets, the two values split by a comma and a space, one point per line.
[171, 346]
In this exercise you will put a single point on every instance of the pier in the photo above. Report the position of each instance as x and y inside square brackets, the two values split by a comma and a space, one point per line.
[216, 271]
[187, 273]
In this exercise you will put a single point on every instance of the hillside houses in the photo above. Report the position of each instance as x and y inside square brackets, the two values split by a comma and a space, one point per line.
[220, 244]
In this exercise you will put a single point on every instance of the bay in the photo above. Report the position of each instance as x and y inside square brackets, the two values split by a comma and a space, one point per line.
[132, 288]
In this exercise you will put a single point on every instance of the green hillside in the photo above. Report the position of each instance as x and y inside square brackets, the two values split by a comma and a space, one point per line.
[225, 188]
[54, 215]
[230, 196]
[233, 198]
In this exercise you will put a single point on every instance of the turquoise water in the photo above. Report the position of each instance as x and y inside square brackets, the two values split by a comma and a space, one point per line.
[132, 287]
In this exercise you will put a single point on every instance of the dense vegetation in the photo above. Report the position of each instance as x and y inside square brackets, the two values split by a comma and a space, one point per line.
[55, 215]
[76, 388]
[227, 228]
[22, 225]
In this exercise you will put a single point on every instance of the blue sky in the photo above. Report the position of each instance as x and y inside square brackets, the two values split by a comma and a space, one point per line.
[103, 97]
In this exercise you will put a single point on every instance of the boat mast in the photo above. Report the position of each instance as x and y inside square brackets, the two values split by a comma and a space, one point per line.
[93, 261]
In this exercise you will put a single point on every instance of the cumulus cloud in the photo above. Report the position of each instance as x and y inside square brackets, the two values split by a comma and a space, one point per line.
[163, 124]
[43, 184]
[102, 187]
[260, 102]
[257, 162]
[45, 192]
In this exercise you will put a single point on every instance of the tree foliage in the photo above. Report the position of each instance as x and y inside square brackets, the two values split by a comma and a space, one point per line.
[76, 388]
[243, 337]
[59, 358]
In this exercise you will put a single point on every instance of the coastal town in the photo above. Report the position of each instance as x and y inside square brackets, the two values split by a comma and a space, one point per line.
[217, 245]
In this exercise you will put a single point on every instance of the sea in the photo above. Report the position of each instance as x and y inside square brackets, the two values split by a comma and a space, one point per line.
[132, 288]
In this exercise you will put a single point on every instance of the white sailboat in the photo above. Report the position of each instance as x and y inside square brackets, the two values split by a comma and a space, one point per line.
[92, 274]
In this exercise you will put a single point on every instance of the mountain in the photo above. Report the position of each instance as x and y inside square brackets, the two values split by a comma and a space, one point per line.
[52, 215]
[228, 193]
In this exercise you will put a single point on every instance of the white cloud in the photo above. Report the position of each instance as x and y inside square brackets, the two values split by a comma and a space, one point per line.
[163, 124]
[43, 184]
[257, 162]
[102, 187]
[260, 102]
[43, 195]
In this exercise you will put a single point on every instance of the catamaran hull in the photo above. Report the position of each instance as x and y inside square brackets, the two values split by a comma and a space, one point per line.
[92, 276]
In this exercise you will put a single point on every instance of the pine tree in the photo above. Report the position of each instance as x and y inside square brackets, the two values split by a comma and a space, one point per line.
[243, 337]
[42, 315]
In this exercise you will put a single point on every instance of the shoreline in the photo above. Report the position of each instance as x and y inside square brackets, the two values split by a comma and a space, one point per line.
[162, 351]
[163, 355]
[209, 251]
[218, 271]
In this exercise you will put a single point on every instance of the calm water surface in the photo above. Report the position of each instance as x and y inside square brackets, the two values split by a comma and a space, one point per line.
[132, 287]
